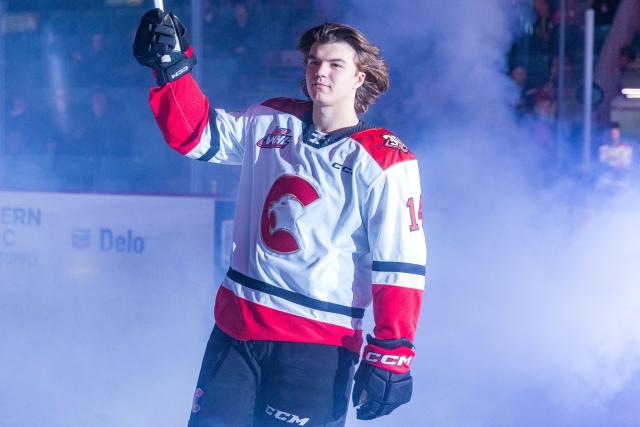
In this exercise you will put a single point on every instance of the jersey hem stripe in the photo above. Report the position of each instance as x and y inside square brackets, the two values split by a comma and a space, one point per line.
[246, 320]
[283, 305]
[305, 301]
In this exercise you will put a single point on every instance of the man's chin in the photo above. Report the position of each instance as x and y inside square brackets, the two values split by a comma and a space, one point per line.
[320, 99]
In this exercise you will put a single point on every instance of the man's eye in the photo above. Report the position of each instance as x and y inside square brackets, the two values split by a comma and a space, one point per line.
[336, 65]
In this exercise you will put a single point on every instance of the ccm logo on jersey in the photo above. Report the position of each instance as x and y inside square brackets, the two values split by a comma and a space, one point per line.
[343, 168]
[393, 141]
[279, 138]
[285, 416]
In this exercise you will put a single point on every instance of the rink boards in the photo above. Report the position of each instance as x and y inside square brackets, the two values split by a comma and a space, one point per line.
[146, 240]
[105, 306]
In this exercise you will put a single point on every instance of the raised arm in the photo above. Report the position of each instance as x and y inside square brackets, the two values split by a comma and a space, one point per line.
[182, 111]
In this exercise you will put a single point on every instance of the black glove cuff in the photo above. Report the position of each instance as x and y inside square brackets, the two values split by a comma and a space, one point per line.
[175, 69]
[390, 344]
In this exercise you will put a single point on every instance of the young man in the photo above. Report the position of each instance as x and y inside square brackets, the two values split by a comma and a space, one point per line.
[328, 220]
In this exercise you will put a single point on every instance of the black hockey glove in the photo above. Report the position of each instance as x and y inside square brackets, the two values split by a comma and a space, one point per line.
[383, 380]
[162, 43]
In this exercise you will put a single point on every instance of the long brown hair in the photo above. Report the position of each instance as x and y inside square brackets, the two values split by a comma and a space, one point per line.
[368, 59]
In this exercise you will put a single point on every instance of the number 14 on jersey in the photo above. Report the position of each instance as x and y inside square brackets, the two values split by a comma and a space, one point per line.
[412, 212]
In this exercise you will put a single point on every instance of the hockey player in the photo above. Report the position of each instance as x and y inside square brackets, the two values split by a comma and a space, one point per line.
[328, 220]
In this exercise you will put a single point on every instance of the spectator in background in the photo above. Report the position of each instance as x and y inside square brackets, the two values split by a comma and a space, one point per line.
[240, 30]
[76, 159]
[209, 11]
[534, 47]
[543, 27]
[519, 76]
[575, 22]
[544, 117]
[226, 27]
[605, 11]
[26, 132]
[92, 54]
[17, 126]
[237, 40]
[627, 56]
[212, 29]
[615, 156]
[106, 128]
[574, 12]
[108, 131]
[572, 80]
[25, 150]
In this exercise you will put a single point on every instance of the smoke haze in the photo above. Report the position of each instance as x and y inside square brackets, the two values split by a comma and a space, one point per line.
[531, 310]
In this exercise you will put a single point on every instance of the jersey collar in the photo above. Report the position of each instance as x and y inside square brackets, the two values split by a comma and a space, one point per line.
[331, 137]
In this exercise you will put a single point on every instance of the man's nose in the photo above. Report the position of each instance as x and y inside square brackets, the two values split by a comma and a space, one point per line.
[322, 69]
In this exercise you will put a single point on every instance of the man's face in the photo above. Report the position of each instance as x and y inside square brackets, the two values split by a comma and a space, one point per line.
[615, 134]
[331, 74]
[519, 76]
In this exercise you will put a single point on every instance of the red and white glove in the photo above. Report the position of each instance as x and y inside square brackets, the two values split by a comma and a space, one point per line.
[383, 380]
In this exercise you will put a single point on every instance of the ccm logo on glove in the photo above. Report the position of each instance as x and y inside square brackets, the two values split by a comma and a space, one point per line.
[397, 360]
[179, 72]
[388, 359]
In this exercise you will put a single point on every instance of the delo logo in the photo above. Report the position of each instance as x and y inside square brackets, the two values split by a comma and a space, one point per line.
[127, 243]
[80, 238]
[388, 359]
[279, 138]
[393, 141]
[285, 416]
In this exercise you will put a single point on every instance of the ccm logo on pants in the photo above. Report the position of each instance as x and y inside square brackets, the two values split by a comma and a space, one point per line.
[388, 359]
[285, 416]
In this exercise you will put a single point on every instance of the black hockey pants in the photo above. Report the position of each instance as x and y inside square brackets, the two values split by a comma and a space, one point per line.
[271, 383]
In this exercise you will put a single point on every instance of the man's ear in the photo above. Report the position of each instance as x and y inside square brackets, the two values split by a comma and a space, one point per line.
[360, 78]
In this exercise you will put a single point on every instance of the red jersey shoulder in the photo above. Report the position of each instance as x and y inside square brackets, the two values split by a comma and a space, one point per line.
[385, 148]
[291, 106]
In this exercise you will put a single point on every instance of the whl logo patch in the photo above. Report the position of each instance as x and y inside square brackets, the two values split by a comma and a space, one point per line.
[393, 141]
[279, 138]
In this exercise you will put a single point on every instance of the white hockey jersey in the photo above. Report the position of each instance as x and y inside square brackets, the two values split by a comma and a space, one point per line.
[324, 224]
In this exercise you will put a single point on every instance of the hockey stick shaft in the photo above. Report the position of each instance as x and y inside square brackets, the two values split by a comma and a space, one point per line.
[159, 4]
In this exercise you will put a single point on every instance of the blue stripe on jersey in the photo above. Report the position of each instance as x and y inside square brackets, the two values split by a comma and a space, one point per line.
[215, 138]
[399, 267]
[356, 313]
